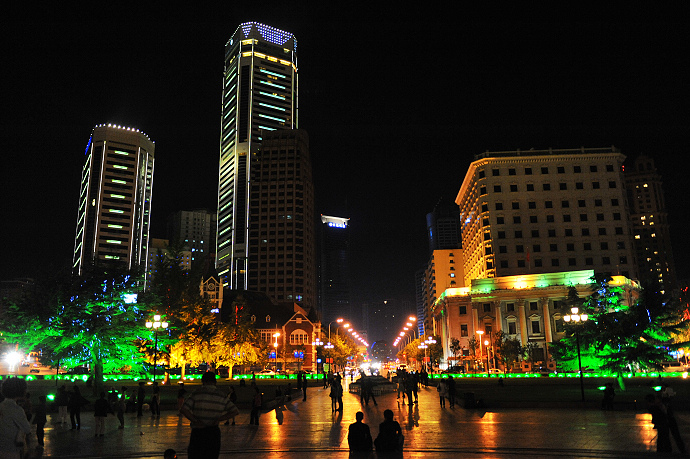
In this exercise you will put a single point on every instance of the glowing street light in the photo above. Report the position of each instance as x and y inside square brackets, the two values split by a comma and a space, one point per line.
[156, 323]
[276, 335]
[577, 320]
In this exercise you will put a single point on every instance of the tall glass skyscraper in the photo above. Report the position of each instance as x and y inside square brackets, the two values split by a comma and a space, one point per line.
[259, 95]
[115, 200]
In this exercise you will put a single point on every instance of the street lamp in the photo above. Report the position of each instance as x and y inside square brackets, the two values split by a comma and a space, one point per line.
[481, 353]
[156, 323]
[339, 320]
[486, 346]
[429, 341]
[276, 335]
[425, 347]
[577, 320]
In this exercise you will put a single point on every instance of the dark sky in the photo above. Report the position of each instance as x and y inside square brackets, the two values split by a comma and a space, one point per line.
[396, 104]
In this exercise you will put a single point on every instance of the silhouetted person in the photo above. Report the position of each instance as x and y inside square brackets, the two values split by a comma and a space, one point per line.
[609, 394]
[40, 418]
[141, 395]
[666, 394]
[451, 390]
[390, 437]
[256, 406]
[76, 402]
[13, 422]
[304, 386]
[660, 421]
[205, 408]
[359, 435]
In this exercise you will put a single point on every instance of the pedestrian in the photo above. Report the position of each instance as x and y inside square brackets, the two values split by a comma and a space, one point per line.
[141, 395]
[401, 384]
[14, 427]
[609, 394]
[409, 382]
[339, 392]
[233, 399]
[101, 408]
[666, 393]
[660, 421]
[442, 389]
[205, 408]
[368, 386]
[304, 385]
[40, 418]
[334, 397]
[299, 381]
[121, 406]
[156, 400]
[61, 400]
[256, 407]
[181, 393]
[415, 387]
[359, 434]
[74, 406]
[451, 390]
[390, 437]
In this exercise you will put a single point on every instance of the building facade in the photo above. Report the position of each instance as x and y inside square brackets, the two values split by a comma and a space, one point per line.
[542, 211]
[443, 227]
[159, 250]
[115, 200]
[529, 308]
[443, 272]
[259, 96]
[195, 229]
[282, 243]
[650, 225]
[334, 269]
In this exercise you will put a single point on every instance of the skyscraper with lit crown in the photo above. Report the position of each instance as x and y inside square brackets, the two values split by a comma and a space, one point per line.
[259, 95]
[115, 200]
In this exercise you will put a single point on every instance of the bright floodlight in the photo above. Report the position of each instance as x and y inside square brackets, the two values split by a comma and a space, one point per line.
[412, 318]
[339, 321]
[13, 358]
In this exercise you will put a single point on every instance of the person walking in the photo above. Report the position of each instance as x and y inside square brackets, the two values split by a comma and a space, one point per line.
[76, 402]
[368, 387]
[442, 389]
[141, 395]
[299, 382]
[609, 394]
[256, 406]
[451, 390]
[359, 434]
[61, 400]
[40, 418]
[666, 393]
[339, 392]
[415, 387]
[656, 408]
[101, 408]
[304, 385]
[121, 406]
[205, 408]
[156, 401]
[401, 384]
[390, 437]
[334, 396]
[14, 427]
[181, 393]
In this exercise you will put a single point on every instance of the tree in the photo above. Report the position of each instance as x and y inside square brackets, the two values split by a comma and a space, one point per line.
[507, 349]
[343, 347]
[472, 345]
[455, 348]
[96, 322]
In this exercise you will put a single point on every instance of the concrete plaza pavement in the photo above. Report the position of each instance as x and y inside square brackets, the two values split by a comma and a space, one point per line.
[310, 429]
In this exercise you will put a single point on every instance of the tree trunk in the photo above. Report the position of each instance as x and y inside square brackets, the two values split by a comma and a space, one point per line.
[621, 381]
[98, 385]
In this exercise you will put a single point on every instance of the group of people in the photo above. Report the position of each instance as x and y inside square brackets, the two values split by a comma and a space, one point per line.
[660, 407]
[389, 439]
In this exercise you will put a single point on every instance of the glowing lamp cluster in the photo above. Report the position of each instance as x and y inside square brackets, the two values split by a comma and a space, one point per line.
[406, 328]
[156, 323]
[575, 316]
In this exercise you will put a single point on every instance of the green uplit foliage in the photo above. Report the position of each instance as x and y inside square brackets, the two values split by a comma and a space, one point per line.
[89, 324]
[618, 337]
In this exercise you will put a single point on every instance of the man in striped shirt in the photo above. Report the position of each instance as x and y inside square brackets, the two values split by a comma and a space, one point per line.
[205, 408]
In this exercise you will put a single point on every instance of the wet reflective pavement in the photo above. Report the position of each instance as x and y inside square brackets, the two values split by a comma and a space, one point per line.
[310, 429]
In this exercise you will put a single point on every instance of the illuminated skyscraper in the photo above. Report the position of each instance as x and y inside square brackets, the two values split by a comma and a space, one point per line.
[334, 269]
[259, 95]
[115, 200]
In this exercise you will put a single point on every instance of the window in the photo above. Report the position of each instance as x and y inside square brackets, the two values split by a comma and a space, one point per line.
[481, 174]
[511, 171]
[619, 230]
[548, 204]
[537, 263]
[500, 220]
[566, 218]
[552, 233]
[502, 249]
[568, 232]
[516, 205]
[531, 205]
[463, 330]
[570, 247]
[602, 231]
[521, 263]
[513, 188]
[496, 172]
[614, 202]
[620, 245]
[462, 311]
[592, 168]
[589, 261]
[536, 248]
[510, 307]
[605, 260]
[560, 169]
[585, 231]
[536, 326]
[577, 169]
[535, 233]
[544, 170]
[572, 262]
[516, 219]
[485, 221]
[533, 306]
[497, 188]
[533, 219]
[528, 171]
[520, 248]
[499, 206]
[485, 207]
[546, 187]
[553, 247]
[555, 262]
[518, 234]
[609, 168]
[583, 217]
[486, 307]
[612, 184]
[616, 216]
[530, 187]
[587, 246]
[549, 219]
[579, 186]
[623, 260]
[299, 337]
[482, 190]
[600, 217]
[504, 263]
[597, 203]
[595, 185]
[565, 204]
[501, 235]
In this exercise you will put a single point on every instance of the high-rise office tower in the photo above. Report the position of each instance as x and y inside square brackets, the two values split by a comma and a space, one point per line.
[443, 227]
[334, 269]
[651, 230]
[259, 96]
[282, 246]
[115, 200]
[541, 211]
[195, 229]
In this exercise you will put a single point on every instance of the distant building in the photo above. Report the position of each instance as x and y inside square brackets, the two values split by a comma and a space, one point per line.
[543, 211]
[444, 271]
[443, 227]
[115, 200]
[420, 299]
[528, 308]
[211, 289]
[158, 248]
[650, 226]
[195, 229]
[334, 269]
[259, 96]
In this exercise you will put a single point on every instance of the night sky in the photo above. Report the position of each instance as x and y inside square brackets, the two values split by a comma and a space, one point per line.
[396, 104]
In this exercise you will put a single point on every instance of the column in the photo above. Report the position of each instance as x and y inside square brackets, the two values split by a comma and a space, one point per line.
[523, 321]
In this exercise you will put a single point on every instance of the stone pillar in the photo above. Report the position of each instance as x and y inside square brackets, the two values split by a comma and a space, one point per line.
[498, 325]
[523, 321]
[548, 335]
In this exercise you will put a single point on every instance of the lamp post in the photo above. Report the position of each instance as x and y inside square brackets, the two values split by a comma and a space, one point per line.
[339, 320]
[577, 320]
[481, 352]
[425, 347]
[429, 341]
[486, 346]
[276, 335]
[156, 323]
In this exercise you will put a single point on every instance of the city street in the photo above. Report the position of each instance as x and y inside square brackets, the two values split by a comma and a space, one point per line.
[310, 429]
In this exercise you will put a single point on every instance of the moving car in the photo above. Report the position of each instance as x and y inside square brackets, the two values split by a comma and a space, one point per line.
[266, 373]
